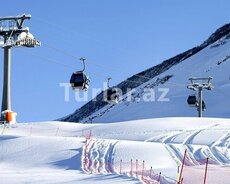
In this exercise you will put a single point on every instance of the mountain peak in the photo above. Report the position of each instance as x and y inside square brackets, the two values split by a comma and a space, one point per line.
[218, 34]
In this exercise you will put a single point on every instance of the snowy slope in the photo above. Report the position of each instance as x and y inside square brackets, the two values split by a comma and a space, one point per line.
[213, 60]
[53, 152]
[45, 158]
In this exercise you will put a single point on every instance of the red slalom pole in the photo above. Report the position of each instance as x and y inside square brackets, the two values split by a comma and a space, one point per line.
[182, 167]
[206, 171]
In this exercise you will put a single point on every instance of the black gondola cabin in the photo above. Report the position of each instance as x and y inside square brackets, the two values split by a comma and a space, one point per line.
[112, 95]
[79, 80]
[192, 101]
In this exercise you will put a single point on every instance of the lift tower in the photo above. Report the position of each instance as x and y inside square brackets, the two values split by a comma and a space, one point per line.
[12, 34]
[198, 84]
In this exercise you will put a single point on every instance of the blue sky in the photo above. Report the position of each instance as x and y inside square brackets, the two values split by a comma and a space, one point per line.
[118, 37]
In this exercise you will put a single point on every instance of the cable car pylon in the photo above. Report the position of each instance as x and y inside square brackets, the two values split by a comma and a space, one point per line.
[12, 34]
[198, 84]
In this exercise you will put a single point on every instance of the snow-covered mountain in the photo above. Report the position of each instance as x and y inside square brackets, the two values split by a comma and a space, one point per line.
[211, 58]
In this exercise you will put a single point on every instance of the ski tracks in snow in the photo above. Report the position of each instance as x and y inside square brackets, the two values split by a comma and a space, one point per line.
[189, 139]
[101, 152]
[100, 156]
[196, 154]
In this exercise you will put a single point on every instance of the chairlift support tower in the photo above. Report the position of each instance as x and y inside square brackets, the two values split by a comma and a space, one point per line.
[199, 84]
[11, 30]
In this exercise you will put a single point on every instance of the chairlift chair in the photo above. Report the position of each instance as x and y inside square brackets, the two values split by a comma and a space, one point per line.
[79, 80]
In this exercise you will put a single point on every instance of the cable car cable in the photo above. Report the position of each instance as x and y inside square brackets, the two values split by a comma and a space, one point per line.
[101, 66]
[70, 66]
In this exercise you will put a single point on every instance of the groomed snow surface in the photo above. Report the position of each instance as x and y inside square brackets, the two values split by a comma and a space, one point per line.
[58, 152]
